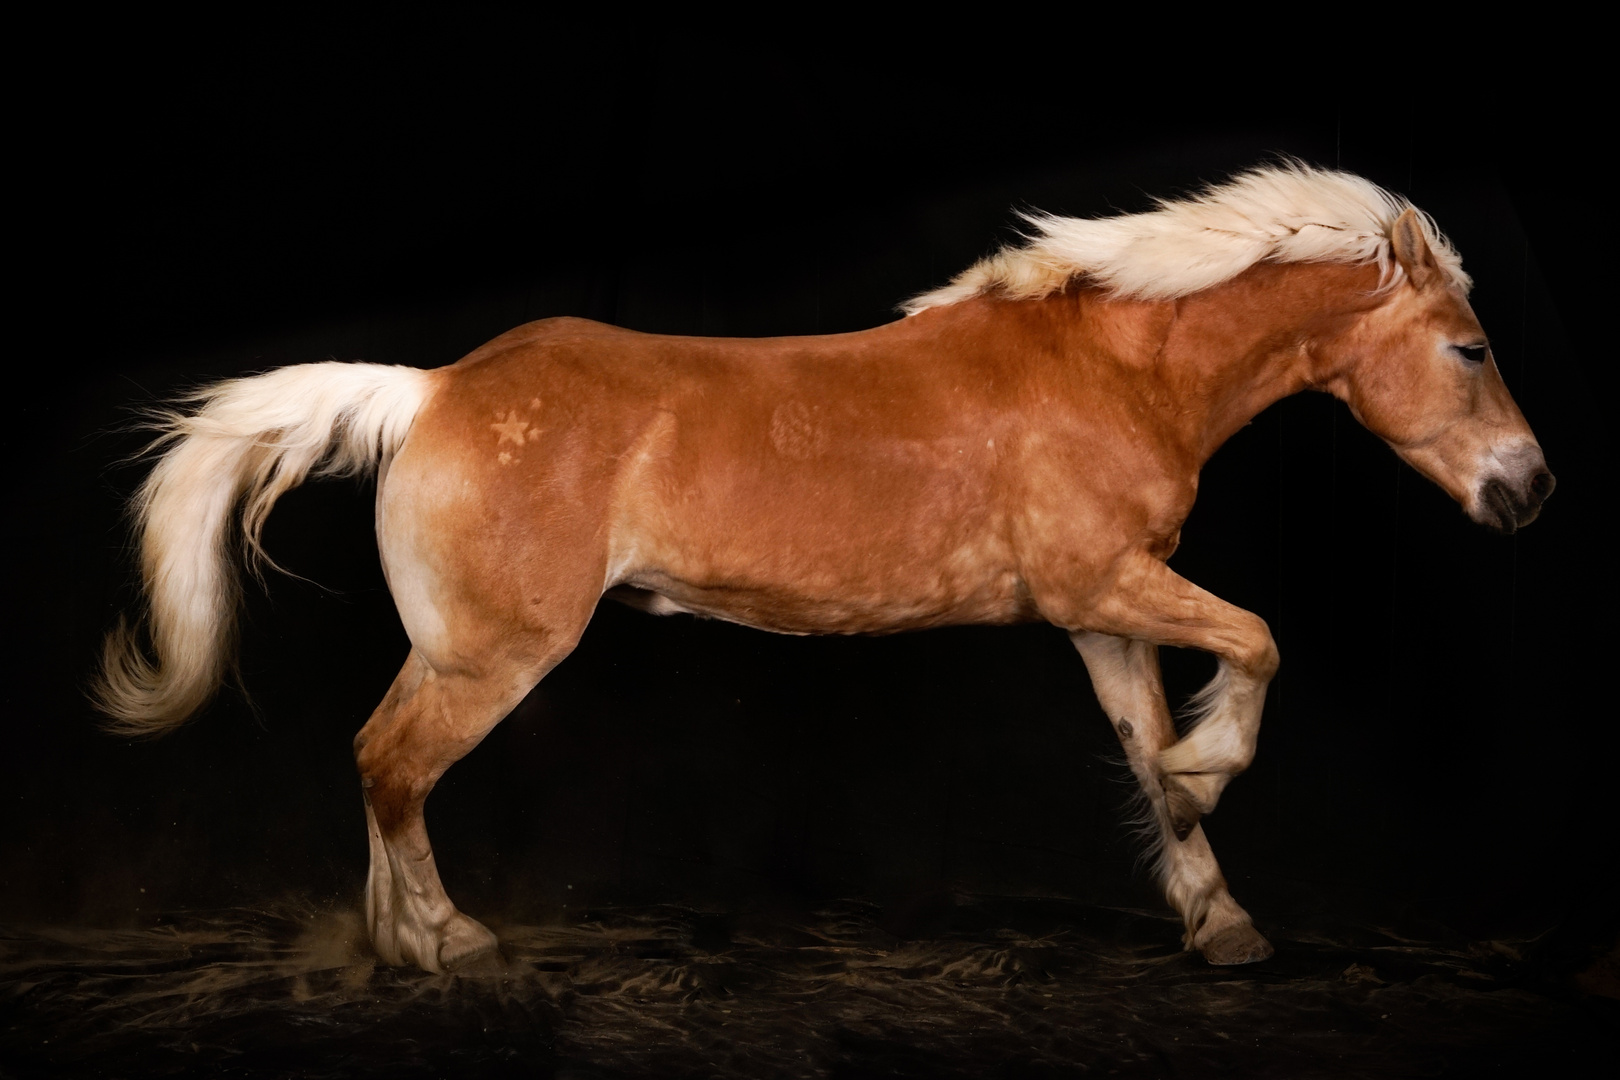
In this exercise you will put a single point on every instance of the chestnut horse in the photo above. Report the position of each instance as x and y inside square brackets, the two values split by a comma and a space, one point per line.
[1025, 444]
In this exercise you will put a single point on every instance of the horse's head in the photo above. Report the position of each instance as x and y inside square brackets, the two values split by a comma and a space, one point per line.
[1417, 370]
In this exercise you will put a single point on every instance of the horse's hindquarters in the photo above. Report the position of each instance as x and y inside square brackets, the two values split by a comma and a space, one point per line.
[495, 585]
[485, 560]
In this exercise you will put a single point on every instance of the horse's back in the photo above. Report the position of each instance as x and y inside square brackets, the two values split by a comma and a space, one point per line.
[924, 472]
[834, 483]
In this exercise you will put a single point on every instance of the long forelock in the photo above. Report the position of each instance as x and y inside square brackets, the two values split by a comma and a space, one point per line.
[1291, 212]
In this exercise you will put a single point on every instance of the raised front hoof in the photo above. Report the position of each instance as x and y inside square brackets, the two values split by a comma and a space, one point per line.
[1239, 943]
[1182, 808]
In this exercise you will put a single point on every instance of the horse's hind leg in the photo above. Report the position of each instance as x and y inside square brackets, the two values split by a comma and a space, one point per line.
[429, 720]
[1125, 674]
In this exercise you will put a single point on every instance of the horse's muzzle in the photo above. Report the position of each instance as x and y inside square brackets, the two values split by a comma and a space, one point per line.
[1509, 507]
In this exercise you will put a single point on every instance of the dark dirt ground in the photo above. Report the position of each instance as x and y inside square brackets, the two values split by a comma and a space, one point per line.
[1000, 988]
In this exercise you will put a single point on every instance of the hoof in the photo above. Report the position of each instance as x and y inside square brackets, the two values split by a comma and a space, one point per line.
[1182, 808]
[466, 943]
[1237, 944]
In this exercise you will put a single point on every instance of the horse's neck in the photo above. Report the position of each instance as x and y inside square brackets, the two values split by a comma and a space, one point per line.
[1222, 356]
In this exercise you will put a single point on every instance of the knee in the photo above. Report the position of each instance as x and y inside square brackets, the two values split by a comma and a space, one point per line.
[1257, 654]
[1269, 659]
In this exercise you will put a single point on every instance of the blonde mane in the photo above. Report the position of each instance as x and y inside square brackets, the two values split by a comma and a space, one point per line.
[1291, 212]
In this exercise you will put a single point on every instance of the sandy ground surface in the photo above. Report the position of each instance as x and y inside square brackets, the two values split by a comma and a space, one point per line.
[1003, 988]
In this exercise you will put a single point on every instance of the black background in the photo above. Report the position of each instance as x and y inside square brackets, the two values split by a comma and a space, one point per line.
[233, 201]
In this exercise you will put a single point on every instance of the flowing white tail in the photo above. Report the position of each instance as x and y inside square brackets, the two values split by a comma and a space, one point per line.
[235, 447]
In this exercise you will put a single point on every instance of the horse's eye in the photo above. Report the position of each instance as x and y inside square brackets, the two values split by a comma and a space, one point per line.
[1474, 354]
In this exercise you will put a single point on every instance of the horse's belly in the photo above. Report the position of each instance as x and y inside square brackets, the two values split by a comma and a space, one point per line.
[910, 598]
[857, 547]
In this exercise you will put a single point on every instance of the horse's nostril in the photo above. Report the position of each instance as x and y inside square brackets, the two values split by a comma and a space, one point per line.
[1543, 484]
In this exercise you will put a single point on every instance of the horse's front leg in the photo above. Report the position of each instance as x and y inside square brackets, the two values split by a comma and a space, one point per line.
[1125, 674]
[1182, 780]
[1150, 602]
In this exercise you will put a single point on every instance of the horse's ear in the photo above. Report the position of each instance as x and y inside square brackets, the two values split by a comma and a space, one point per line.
[1413, 251]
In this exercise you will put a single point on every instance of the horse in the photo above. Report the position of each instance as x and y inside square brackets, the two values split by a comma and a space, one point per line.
[1023, 444]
